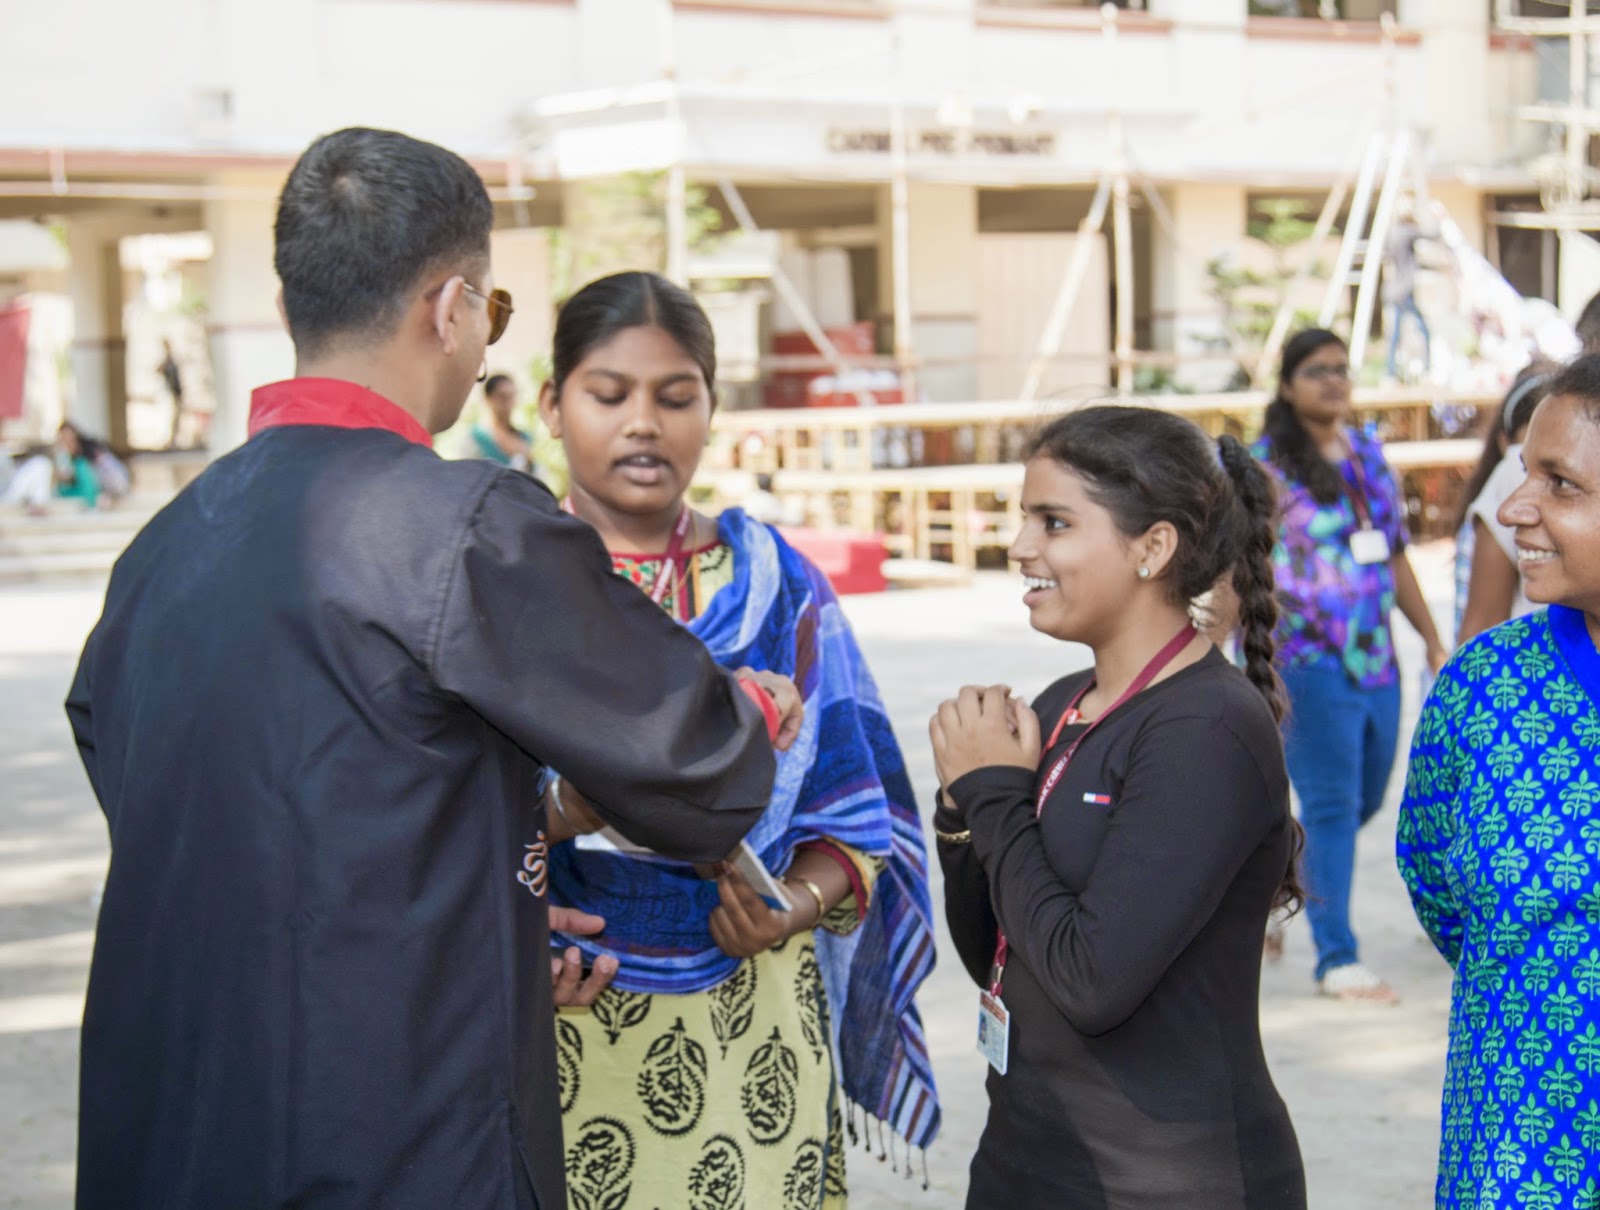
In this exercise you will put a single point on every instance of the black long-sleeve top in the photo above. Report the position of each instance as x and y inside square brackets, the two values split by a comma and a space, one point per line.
[1136, 1076]
[316, 712]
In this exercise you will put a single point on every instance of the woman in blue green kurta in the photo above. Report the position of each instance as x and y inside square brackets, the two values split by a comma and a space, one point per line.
[1499, 844]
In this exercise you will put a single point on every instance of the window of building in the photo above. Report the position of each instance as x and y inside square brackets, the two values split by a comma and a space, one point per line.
[1327, 10]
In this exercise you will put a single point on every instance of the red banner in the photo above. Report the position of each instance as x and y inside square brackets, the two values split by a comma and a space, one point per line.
[13, 358]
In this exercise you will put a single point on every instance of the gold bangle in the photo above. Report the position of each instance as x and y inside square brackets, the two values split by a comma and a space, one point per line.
[952, 837]
[816, 893]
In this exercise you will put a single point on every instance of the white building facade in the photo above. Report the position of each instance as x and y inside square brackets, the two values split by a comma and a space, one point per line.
[926, 163]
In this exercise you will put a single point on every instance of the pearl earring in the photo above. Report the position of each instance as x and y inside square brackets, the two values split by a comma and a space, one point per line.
[1144, 573]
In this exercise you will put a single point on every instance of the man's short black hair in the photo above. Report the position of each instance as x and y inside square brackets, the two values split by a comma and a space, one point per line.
[495, 382]
[364, 215]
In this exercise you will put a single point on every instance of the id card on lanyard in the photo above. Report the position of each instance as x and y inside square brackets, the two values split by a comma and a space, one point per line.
[994, 1019]
[1369, 544]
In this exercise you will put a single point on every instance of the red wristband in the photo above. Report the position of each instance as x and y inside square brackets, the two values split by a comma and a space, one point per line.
[765, 704]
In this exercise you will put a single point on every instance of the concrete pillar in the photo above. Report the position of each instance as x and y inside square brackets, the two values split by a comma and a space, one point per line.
[99, 350]
[944, 284]
[249, 344]
[1455, 52]
[1210, 221]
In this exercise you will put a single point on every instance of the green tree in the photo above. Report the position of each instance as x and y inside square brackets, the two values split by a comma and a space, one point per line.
[1250, 299]
[615, 223]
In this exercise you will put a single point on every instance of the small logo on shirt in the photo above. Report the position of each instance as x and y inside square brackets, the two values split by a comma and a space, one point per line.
[535, 872]
[1099, 800]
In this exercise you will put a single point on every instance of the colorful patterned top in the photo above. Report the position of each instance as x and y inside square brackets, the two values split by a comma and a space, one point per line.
[1499, 844]
[692, 586]
[1330, 604]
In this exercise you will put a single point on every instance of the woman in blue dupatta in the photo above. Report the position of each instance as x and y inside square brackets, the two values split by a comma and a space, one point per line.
[716, 1066]
[1499, 842]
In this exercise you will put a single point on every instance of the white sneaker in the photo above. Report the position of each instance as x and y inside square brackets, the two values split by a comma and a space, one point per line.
[1356, 982]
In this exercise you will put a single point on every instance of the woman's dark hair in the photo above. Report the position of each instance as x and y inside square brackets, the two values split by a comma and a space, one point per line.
[1291, 446]
[493, 383]
[363, 217]
[1581, 380]
[1588, 326]
[88, 447]
[1144, 466]
[609, 305]
[1507, 420]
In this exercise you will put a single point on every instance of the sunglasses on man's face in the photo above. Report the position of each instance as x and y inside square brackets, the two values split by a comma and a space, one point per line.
[499, 304]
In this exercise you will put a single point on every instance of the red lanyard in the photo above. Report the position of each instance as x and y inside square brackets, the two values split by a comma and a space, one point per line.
[1360, 493]
[671, 573]
[1149, 673]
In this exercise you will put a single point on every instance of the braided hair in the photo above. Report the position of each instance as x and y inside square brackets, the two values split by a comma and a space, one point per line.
[1144, 466]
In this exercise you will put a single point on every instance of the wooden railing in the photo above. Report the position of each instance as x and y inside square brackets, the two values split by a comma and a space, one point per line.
[943, 481]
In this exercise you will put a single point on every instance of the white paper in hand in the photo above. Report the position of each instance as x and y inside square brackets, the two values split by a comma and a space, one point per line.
[745, 859]
[748, 863]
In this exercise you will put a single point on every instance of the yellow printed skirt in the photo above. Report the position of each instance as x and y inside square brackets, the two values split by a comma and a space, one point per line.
[719, 1100]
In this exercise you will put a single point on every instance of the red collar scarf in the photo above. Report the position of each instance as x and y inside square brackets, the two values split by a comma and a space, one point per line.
[333, 403]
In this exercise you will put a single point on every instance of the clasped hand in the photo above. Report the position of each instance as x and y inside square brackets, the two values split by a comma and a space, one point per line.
[981, 727]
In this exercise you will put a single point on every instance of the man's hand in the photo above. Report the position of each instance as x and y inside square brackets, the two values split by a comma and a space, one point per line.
[784, 694]
[744, 926]
[982, 727]
[570, 988]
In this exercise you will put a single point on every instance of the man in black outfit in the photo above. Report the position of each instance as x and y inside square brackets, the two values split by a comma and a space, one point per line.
[317, 712]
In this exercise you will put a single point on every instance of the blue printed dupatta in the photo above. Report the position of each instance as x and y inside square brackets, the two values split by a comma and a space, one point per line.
[844, 779]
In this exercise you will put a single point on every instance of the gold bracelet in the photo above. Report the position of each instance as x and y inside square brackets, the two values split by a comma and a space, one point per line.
[816, 893]
[952, 837]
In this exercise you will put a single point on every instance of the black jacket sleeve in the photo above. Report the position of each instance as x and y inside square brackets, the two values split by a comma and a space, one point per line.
[584, 673]
[1192, 809]
[967, 909]
[80, 715]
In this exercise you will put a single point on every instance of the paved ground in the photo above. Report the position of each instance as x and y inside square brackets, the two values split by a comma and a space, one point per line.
[1362, 1083]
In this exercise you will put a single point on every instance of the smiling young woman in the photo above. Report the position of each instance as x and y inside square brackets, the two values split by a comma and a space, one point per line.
[1499, 836]
[1111, 898]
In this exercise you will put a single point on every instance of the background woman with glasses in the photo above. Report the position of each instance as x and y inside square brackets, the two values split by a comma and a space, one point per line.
[1341, 569]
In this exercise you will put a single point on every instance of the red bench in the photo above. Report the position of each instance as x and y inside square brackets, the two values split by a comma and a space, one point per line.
[853, 562]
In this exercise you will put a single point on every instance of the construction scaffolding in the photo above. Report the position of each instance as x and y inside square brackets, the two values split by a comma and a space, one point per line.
[1568, 180]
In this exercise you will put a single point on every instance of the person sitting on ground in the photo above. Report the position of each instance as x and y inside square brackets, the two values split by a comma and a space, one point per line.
[67, 472]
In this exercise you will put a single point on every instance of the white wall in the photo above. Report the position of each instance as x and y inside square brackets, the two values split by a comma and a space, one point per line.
[107, 74]
[1214, 97]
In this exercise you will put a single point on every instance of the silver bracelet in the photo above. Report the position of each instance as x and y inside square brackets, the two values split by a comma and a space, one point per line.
[552, 794]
